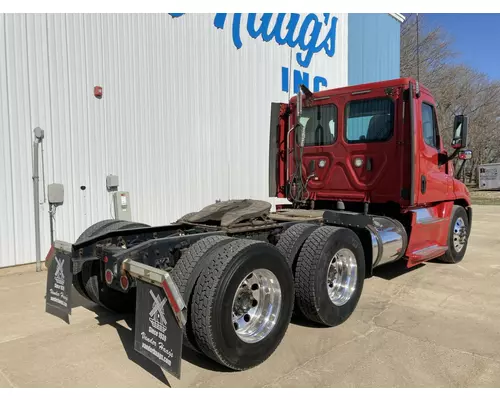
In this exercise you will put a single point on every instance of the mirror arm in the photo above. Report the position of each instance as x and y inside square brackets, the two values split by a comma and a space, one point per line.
[450, 157]
[443, 159]
[454, 154]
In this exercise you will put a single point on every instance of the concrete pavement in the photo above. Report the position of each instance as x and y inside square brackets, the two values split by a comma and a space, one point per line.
[434, 326]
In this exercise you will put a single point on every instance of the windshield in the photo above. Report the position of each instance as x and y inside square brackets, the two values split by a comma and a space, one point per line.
[369, 120]
[320, 125]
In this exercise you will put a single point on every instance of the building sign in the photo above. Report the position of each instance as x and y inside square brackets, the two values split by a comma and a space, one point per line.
[489, 176]
[308, 36]
[488, 173]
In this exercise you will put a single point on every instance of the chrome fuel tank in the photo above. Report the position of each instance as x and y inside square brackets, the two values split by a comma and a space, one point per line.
[389, 240]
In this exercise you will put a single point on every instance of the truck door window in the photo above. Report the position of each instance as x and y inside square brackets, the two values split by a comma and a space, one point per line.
[369, 120]
[320, 125]
[428, 126]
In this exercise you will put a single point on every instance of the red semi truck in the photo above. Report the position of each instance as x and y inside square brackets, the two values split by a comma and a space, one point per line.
[369, 183]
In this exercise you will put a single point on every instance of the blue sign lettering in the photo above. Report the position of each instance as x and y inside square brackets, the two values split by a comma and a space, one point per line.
[318, 82]
[300, 78]
[305, 34]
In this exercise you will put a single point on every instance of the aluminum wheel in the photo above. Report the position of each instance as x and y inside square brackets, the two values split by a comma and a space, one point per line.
[256, 305]
[342, 276]
[459, 234]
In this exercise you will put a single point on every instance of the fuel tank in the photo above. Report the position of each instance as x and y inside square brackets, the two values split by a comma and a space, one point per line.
[389, 240]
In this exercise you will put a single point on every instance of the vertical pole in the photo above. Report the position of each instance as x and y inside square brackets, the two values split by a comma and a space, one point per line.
[36, 201]
[418, 52]
[39, 134]
[51, 221]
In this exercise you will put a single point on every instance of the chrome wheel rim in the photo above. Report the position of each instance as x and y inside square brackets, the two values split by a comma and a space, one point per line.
[341, 277]
[459, 234]
[256, 306]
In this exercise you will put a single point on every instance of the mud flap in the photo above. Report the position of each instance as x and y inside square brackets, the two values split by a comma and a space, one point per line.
[59, 281]
[160, 316]
[160, 309]
[158, 336]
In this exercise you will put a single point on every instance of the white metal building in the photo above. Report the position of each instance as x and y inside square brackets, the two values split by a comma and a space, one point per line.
[184, 116]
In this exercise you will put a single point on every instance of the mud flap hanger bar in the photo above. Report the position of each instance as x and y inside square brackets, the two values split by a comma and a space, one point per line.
[63, 246]
[161, 279]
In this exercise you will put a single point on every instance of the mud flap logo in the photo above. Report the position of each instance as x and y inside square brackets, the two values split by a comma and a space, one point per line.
[157, 313]
[59, 275]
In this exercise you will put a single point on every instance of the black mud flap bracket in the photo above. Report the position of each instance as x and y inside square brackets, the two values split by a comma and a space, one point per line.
[160, 316]
[347, 219]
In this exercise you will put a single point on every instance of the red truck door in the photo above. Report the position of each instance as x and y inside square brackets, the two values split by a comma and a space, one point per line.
[431, 220]
[432, 179]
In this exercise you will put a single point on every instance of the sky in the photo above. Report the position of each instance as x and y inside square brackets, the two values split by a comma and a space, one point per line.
[476, 37]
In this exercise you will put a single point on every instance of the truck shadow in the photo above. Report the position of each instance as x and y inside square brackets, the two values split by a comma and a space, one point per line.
[394, 270]
[125, 327]
[387, 272]
[126, 333]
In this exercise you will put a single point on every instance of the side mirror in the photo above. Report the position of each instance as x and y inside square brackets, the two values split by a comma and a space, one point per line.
[459, 140]
[465, 154]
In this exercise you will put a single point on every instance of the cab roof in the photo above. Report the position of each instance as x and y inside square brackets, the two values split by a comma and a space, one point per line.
[400, 82]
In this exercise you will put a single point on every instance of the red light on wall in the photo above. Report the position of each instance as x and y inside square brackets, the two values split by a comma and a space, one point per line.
[98, 92]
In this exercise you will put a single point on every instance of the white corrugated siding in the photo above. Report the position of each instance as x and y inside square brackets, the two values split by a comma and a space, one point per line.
[184, 119]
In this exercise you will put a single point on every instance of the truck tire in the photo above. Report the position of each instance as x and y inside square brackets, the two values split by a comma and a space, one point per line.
[95, 289]
[242, 303]
[93, 230]
[330, 275]
[186, 273]
[292, 240]
[290, 244]
[87, 234]
[458, 235]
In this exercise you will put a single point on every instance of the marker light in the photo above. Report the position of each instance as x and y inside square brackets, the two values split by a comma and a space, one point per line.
[108, 276]
[124, 283]
[358, 162]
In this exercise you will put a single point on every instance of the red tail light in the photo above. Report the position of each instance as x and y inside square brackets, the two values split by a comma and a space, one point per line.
[124, 282]
[108, 276]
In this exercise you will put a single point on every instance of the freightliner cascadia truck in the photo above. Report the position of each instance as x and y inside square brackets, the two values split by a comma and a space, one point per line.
[368, 182]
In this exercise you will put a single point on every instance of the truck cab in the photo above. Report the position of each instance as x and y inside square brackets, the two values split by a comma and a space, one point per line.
[372, 148]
